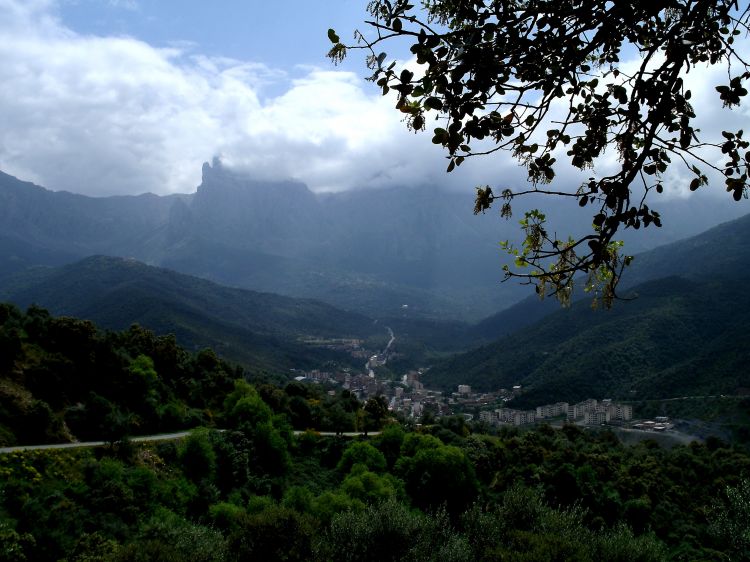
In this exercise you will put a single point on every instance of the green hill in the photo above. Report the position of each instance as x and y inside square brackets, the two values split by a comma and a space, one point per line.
[720, 252]
[678, 337]
[250, 327]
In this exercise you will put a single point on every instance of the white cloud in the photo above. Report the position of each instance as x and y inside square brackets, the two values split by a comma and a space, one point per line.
[105, 115]
[115, 115]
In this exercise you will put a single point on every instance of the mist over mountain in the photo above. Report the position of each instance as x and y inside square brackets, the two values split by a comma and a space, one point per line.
[679, 334]
[411, 252]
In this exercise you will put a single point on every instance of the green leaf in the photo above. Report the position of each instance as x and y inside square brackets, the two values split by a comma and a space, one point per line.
[333, 37]
[433, 103]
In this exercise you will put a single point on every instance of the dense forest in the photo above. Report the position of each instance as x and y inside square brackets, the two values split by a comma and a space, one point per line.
[63, 379]
[258, 492]
[244, 485]
[675, 337]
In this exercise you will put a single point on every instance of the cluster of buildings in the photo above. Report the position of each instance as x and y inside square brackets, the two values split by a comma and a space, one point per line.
[464, 399]
[588, 412]
[412, 399]
[362, 385]
[409, 396]
[592, 412]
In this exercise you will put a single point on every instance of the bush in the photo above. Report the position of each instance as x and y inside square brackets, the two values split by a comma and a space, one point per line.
[276, 533]
[169, 537]
[389, 531]
[363, 453]
[197, 456]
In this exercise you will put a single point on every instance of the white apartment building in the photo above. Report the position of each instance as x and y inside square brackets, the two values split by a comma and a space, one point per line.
[551, 410]
[596, 418]
[595, 413]
[488, 416]
[516, 417]
[576, 411]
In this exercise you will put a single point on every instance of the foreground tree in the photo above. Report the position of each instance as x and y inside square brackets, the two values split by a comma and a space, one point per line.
[543, 79]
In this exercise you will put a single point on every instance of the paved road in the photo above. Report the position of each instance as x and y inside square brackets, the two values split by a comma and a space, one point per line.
[383, 355]
[90, 444]
[390, 341]
[144, 439]
[343, 433]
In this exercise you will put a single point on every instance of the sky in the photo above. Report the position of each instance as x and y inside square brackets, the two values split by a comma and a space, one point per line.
[105, 97]
[109, 97]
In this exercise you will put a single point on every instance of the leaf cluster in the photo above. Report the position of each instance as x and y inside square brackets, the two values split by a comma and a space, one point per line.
[544, 81]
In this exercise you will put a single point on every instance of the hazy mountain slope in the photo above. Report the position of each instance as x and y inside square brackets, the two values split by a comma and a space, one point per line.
[308, 278]
[272, 236]
[721, 251]
[370, 251]
[678, 337]
[76, 224]
[241, 324]
[524, 313]
[17, 254]
[366, 250]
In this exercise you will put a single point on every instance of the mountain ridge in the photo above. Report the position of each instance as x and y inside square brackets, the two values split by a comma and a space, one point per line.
[694, 257]
[247, 326]
[369, 251]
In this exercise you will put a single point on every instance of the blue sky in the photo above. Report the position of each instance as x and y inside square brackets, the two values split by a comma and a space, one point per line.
[281, 33]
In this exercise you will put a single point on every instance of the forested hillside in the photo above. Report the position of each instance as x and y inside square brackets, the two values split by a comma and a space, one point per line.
[259, 329]
[677, 337]
[720, 252]
[256, 490]
[675, 333]
[62, 379]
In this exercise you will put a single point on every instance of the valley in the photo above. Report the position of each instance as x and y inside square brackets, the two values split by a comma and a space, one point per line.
[474, 289]
[674, 337]
[291, 412]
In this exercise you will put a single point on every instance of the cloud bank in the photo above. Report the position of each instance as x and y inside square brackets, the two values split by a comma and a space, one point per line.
[115, 115]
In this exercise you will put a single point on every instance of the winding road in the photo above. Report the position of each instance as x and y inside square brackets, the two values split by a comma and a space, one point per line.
[384, 355]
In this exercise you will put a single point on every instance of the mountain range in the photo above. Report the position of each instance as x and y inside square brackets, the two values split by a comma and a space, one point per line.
[676, 333]
[412, 252]
[411, 258]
